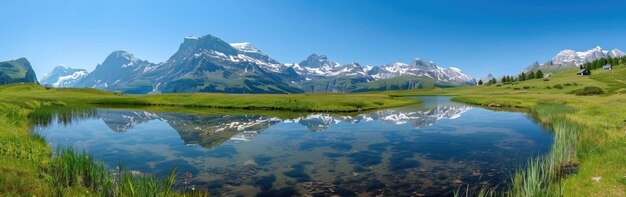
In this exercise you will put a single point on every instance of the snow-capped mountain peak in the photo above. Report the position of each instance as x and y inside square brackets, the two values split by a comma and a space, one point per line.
[421, 67]
[245, 47]
[576, 58]
[570, 58]
[63, 76]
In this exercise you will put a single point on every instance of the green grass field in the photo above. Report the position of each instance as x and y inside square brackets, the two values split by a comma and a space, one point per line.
[590, 135]
[318, 102]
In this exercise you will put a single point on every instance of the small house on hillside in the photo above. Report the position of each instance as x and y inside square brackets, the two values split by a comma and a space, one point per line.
[607, 67]
[584, 72]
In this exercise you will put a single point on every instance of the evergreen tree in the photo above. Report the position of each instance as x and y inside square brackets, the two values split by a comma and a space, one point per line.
[480, 82]
[503, 80]
[522, 76]
[539, 74]
[531, 75]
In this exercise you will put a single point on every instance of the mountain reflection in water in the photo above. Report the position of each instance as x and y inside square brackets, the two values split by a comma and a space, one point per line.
[428, 149]
[206, 130]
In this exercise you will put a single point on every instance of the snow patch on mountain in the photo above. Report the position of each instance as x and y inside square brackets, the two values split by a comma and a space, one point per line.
[63, 76]
[569, 58]
[420, 67]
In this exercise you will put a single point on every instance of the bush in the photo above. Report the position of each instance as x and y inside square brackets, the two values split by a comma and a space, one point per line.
[516, 89]
[567, 84]
[558, 86]
[546, 79]
[526, 87]
[589, 90]
[498, 85]
[548, 87]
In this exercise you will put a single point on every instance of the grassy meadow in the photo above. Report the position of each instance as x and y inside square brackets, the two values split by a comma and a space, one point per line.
[317, 102]
[587, 159]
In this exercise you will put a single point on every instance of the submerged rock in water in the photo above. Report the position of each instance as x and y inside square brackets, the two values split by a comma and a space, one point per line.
[250, 162]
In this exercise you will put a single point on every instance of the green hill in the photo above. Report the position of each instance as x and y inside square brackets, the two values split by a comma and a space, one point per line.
[17, 71]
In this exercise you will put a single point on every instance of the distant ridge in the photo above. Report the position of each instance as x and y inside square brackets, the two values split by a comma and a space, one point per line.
[567, 58]
[209, 64]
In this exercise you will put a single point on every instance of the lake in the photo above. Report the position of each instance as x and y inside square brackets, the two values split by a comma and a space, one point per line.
[423, 150]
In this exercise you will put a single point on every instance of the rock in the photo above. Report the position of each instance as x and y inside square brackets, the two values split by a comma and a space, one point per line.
[250, 162]
[596, 178]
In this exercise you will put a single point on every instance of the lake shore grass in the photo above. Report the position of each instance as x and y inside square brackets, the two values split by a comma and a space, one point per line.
[314, 102]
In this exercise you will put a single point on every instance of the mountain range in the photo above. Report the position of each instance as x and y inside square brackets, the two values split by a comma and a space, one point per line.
[209, 64]
[570, 59]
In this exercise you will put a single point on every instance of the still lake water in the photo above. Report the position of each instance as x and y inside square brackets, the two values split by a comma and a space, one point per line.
[427, 149]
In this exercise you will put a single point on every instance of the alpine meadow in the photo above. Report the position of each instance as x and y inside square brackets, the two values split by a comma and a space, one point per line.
[313, 98]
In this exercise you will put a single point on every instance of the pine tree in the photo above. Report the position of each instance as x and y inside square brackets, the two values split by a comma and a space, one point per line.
[503, 80]
[539, 74]
[480, 82]
[522, 76]
[531, 75]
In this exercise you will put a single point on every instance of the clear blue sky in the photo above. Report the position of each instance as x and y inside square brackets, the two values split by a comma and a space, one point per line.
[479, 37]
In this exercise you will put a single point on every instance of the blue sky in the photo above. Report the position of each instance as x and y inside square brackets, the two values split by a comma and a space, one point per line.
[480, 37]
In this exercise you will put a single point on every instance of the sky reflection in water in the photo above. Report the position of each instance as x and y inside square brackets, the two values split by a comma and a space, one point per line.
[427, 149]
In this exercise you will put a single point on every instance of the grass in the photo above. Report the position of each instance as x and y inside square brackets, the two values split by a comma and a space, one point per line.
[73, 173]
[317, 102]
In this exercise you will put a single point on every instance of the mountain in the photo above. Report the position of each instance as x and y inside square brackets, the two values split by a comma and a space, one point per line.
[205, 64]
[323, 75]
[17, 71]
[319, 74]
[419, 74]
[420, 67]
[120, 71]
[63, 76]
[209, 64]
[569, 59]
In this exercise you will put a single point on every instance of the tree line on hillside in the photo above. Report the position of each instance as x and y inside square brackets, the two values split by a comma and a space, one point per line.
[521, 77]
[603, 61]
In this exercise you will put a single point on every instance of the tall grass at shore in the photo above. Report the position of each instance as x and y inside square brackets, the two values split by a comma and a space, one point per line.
[541, 175]
[75, 173]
